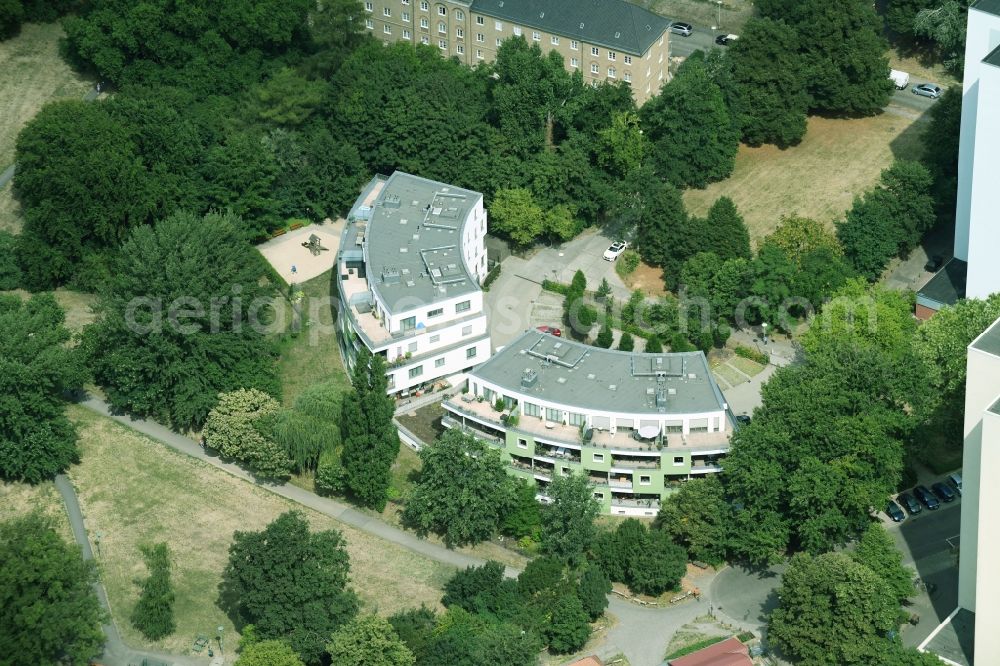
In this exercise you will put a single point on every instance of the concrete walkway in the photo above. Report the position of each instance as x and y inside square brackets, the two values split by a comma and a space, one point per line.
[116, 652]
[642, 634]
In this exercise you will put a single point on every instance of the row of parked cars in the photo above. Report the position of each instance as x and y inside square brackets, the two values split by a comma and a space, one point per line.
[920, 497]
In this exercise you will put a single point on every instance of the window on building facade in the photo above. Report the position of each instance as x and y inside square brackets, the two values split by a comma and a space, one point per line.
[387, 29]
[575, 45]
[480, 37]
[416, 371]
[598, 496]
[460, 49]
[369, 24]
[479, 54]
[628, 77]
[442, 28]
[423, 22]
[660, 59]
[443, 44]
[598, 457]
[405, 2]
[424, 39]
[574, 62]
[470, 352]
[412, 347]
[498, 42]
[644, 481]
[480, 20]
[612, 55]
[464, 306]
[459, 32]
[499, 26]
[442, 11]
[406, 34]
[628, 60]
[678, 460]
[536, 37]
[386, 11]
[488, 394]
[408, 324]
[460, 15]
[576, 419]
[522, 443]
[595, 51]
[435, 338]
[612, 72]
[405, 16]
[423, 5]
[531, 409]
[466, 330]
[439, 362]
[553, 414]
[594, 69]
[369, 7]
[516, 30]
[554, 40]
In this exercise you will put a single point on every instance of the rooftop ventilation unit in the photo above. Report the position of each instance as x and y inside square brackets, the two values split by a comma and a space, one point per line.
[391, 201]
[529, 378]
[661, 398]
[390, 276]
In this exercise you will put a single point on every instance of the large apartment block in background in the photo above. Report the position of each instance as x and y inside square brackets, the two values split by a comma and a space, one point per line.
[604, 40]
[974, 271]
[411, 261]
[637, 425]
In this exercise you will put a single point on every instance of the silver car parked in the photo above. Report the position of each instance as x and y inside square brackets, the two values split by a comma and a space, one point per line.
[927, 90]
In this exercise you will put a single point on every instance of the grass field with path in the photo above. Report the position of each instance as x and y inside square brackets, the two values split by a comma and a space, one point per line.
[836, 161]
[31, 74]
[20, 499]
[136, 491]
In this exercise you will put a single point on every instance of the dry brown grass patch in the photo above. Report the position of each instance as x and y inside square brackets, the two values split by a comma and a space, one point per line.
[20, 499]
[836, 161]
[137, 491]
[647, 279]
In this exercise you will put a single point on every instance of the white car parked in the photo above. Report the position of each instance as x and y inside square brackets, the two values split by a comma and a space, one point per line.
[615, 250]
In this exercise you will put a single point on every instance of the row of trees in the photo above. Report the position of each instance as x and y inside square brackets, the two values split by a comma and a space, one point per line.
[13, 13]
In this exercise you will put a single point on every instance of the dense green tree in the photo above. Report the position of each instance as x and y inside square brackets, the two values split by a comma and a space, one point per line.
[467, 585]
[37, 441]
[605, 337]
[624, 144]
[525, 517]
[653, 345]
[410, 109]
[697, 517]
[527, 88]
[288, 98]
[515, 214]
[269, 653]
[541, 573]
[49, 613]
[336, 28]
[647, 561]
[593, 590]
[889, 220]
[233, 428]
[901, 14]
[845, 65]
[289, 583]
[877, 551]
[464, 492]
[693, 138]
[153, 614]
[466, 639]
[832, 610]
[371, 442]
[11, 17]
[415, 627]
[941, 344]
[944, 24]
[10, 270]
[569, 628]
[663, 220]
[311, 428]
[568, 522]
[940, 140]
[768, 95]
[726, 233]
[81, 188]
[169, 341]
[368, 640]
[627, 342]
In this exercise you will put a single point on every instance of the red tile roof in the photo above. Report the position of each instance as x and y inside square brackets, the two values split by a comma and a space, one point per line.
[730, 652]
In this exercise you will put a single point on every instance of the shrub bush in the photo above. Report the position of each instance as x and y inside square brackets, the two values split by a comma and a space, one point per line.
[752, 354]
[627, 263]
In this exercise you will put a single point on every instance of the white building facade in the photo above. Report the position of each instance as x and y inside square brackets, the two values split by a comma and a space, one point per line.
[411, 262]
[977, 220]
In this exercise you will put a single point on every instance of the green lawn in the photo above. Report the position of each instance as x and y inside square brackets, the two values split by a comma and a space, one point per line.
[312, 356]
[20, 499]
[137, 491]
[746, 366]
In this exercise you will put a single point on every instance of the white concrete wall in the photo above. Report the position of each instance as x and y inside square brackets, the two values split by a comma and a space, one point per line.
[984, 213]
[474, 242]
[982, 387]
[983, 35]
[452, 361]
[420, 309]
[987, 645]
[429, 340]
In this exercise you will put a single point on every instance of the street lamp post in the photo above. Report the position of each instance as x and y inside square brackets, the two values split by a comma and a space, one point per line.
[719, 22]
[763, 328]
[218, 635]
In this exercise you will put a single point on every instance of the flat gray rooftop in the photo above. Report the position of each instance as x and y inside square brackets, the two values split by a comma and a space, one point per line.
[989, 341]
[413, 236]
[988, 6]
[595, 379]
